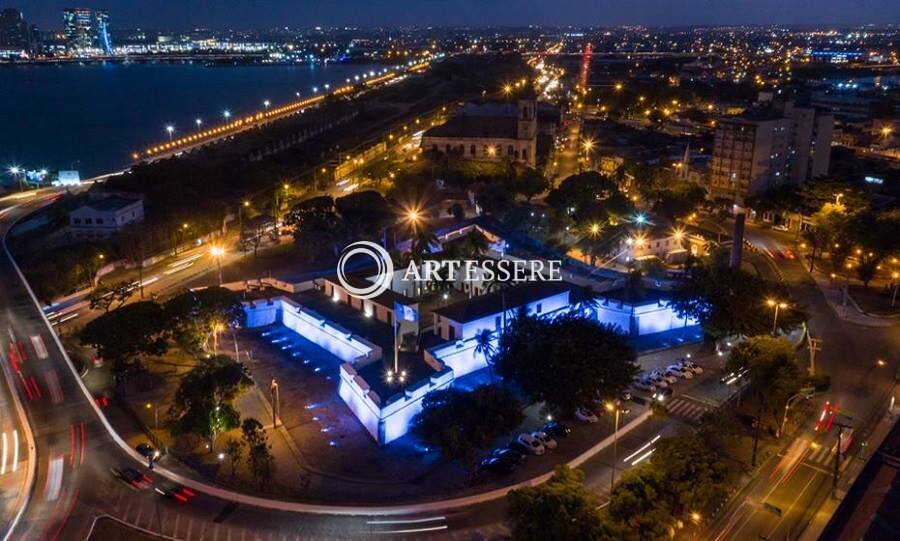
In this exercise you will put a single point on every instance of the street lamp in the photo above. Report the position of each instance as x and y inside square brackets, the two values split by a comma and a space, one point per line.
[776, 305]
[614, 407]
[266, 104]
[150, 405]
[217, 252]
[170, 129]
[226, 113]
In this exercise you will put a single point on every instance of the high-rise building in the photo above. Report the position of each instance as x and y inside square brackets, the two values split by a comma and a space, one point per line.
[765, 148]
[87, 30]
[15, 33]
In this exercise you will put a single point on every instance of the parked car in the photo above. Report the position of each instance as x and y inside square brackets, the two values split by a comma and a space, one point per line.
[498, 465]
[556, 429]
[532, 444]
[680, 371]
[545, 439]
[676, 374]
[667, 375]
[586, 416]
[691, 365]
[658, 380]
[645, 385]
[780, 227]
[662, 394]
[132, 477]
[509, 453]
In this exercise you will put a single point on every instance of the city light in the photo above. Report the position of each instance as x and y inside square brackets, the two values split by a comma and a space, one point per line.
[226, 113]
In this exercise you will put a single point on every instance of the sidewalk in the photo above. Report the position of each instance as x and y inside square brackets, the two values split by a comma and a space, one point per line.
[834, 295]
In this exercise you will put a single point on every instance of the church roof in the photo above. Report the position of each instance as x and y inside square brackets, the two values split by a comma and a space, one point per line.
[492, 127]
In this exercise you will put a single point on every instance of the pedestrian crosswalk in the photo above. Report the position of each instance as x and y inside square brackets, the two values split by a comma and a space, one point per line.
[686, 409]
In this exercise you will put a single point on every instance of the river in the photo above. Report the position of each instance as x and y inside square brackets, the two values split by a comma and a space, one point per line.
[91, 117]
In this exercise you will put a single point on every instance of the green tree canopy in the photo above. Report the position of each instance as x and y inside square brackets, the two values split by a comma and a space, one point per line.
[203, 403]
[731, 301]
[134, 329]
[566, 362]
[195, 314]
[463, 423]
[562, 509]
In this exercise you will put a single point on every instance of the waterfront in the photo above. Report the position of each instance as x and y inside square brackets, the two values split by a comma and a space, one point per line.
[91, 117]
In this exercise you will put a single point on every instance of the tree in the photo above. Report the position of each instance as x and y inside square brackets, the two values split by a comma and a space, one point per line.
[203, 403]
[122, 335]
[731, 301]
[495, 198]
[531, 182]
[463, 423]
[484, 345]
[259, 456]
[563, 509]
[637, 508]
[774, 375]
[694, 476]
[234, 450]
[318, 230]
[195, 316]
[567, 362]
[103, 296]
[475, 245]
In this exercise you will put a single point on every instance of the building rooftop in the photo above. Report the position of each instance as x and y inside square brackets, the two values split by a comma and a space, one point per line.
[113, 202]
[493, 127]
[627, 295]
[491, 303]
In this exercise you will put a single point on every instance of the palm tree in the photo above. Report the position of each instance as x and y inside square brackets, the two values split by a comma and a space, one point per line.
[587, 299]
[475, 245]
[484, 346]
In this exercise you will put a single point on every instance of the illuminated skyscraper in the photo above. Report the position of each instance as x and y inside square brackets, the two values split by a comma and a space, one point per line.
[87, 30]
[15, 34]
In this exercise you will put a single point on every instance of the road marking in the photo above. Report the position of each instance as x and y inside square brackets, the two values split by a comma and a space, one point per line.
[177, 520]
[793, 503]
[413, 530]
[137, 519]
[128, 509]
[407, 521]
[190, 525]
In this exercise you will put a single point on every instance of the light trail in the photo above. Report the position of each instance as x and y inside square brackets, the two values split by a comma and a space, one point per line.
[642, 448]
[407, 521]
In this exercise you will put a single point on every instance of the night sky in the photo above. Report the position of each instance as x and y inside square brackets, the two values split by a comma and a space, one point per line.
[182, 14]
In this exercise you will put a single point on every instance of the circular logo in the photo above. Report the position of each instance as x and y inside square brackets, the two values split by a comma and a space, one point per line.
[383, 262]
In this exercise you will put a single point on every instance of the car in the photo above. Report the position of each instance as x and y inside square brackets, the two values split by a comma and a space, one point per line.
[667, 375]
[691, 365]
[680, 371]
[676, 374]
[732, 377]
[133, 477]
[625, 396]
[662, 394]
[644, 385]
[147, 451]
[532, 444]
[657, 380]
[498, 465]
[175, 492]
[556, 429]
[788, 254]
[509, 453]
[780, 227]
[545, 439]
[586, 416]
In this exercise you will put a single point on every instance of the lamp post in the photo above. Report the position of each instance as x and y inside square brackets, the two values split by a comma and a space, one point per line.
[776, 305]
[170, 129]
[614, 407]
[151, 405]
[244, 204]
[217, 252]
[807, 393]
[276, 402]
[894, 276]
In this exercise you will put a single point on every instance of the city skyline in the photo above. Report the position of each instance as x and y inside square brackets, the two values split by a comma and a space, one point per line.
[448, 13]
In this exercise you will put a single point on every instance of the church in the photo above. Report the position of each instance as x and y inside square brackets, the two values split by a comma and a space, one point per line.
[489, 132]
